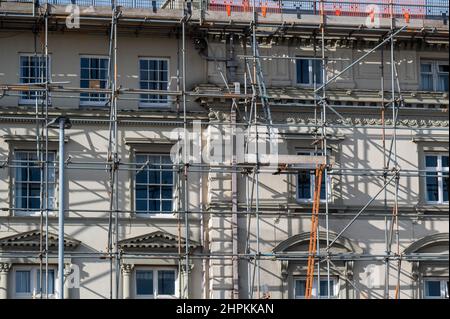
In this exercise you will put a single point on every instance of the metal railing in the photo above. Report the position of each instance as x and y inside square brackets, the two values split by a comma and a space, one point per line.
[419, 9]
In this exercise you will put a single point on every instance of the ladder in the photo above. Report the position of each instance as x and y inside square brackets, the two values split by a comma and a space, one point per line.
[313, 235]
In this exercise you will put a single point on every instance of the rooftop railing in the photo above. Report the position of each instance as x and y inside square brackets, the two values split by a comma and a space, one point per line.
[420, 9]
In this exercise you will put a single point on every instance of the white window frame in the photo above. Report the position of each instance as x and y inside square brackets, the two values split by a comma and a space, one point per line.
[26, 212]
[434, 72]
[160, 214]
[92, 103]
[334, 287]
[155, 294]
[443, 284]
[313, 182]
[310, 71]
[34, 294]
[439, 170]
[23, 101]
[151, 104]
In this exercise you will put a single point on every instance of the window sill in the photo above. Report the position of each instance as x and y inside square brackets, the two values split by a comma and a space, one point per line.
[32, 214]
[154, 105]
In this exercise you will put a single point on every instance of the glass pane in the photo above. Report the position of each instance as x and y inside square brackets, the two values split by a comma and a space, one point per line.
[144, 282]
[443, 83]
[317, 65]
[300, 288]
[304, 185]
[154, 192]
[51, 281]
[167, 205]
[23, 281]
[166, 282]
[166, 192]
[433, 288]
[302, 71]
[141, 206]
[443, 68]
[445, 190]
[323, 187]
[167, 175]
[154, 206]
[432, 187]
[445, 161]
[427, 82]
[34, 203]
[324, 288]
[425, 67]
[431, 161]
[141, 192]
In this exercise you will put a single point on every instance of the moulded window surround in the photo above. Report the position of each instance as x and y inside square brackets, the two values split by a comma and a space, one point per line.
[27, 182]
[307, 69]
[32, 70]
[156, 283]
[154, 184]
[435, 288]
[306, 183]
[434, 75]
[154, 74]
[93, 75]
[437, 179]
[300, 288]
[26, 282]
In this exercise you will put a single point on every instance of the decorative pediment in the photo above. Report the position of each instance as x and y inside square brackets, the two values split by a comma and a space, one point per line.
[436, 243]
[156, 240]
[299, 244]
[32, 239]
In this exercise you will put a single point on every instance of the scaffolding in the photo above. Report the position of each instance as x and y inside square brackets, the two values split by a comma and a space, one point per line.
[253, 107]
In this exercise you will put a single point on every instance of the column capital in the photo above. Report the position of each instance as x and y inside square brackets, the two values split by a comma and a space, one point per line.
[4, 267]
[127, 268]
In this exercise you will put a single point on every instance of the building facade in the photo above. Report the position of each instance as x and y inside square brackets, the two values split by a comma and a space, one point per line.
[213, 226]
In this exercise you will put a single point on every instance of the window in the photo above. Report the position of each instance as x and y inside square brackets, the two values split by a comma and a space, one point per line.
[434, 76]
[307, 69]
[306, 183]
[435, 288]
[300, 288]
[94, 75]
[154, 184]
[436, 167]
[156, 283]
[153, 75]
[27, 282]
[32, 70]
[27, 185]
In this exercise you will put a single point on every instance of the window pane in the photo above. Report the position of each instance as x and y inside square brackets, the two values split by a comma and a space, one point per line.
[432, 187]
[304, 185]
[302, 71]
[141, 206]
[144, 282]
[425, 67]
[323, 187]
[433, 288]
[166, 282]
[167, 205]
[443, 83]
[431, 161]
[300, 288]
[427, 82]
[324, 288]
[445, 190]
[317, 65]
[445, 161]
[23, 281]
[51, 281]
